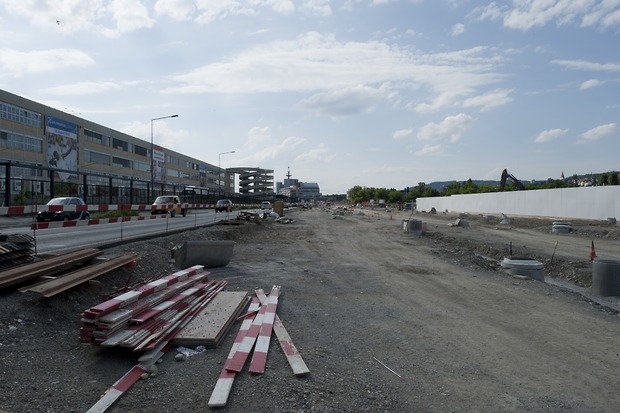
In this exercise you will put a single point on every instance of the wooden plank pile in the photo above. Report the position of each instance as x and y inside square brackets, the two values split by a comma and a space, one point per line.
[16, 249]
[55, 285]
[23, 273]
[151, 316]
[131, 311]
[254, 334]
[152, 313]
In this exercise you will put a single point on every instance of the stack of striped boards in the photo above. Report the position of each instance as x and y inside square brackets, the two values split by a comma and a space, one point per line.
[254, 337]
[156, 311]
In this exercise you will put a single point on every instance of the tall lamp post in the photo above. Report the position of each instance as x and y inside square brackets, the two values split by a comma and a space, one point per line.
[152, 157]
[219, 171]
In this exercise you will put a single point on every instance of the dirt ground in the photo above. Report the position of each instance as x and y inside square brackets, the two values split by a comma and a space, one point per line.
[387, 321]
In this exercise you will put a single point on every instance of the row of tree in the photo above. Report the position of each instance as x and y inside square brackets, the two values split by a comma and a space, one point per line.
[361, 195]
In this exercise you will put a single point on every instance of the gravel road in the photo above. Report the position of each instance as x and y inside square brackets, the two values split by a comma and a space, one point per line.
[386, 321]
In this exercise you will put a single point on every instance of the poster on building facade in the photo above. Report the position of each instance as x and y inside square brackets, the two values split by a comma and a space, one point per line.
[62, 149]
[159, 165]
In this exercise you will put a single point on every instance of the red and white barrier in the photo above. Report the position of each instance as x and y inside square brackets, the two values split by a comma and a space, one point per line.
[33, 209]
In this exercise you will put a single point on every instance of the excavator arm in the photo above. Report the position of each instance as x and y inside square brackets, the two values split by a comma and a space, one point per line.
[507, 175]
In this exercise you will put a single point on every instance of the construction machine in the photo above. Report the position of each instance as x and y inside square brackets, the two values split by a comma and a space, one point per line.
[507, 175]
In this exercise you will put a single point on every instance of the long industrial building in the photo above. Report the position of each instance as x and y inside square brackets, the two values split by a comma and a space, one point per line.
[47, 152]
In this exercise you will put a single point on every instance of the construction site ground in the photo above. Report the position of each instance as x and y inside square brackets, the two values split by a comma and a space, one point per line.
[386, 321]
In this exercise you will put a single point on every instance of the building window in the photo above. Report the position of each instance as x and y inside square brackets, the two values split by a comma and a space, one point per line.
[140, 150]
[96, 157]
[12, 140]
[96, 137]
[23, 116]
[141, 166]
[120, 144]
[122, 162]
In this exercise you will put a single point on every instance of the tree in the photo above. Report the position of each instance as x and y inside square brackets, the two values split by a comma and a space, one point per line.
[395, 197]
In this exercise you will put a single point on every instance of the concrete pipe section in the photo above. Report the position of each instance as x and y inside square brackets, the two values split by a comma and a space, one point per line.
[606, 277]
[524, 267]
[208, 253]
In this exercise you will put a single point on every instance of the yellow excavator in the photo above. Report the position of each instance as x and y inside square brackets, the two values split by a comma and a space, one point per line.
[507, 175]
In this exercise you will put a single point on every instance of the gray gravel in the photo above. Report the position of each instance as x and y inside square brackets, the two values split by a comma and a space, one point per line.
[386, 322]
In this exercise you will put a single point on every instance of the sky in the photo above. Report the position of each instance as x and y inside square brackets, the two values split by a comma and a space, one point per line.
[375, 93]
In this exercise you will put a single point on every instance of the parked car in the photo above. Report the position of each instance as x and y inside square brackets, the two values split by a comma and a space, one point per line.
[223, 205]
[265, 205]
[168, 204]
[63, 215]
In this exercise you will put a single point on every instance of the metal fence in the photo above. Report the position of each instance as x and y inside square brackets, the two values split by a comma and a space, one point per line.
[22, 184]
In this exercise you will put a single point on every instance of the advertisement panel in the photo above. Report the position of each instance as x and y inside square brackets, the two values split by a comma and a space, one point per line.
[159, 165]
[62, 149]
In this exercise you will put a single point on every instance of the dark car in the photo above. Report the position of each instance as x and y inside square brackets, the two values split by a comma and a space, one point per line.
[223, 205]
[61, 212]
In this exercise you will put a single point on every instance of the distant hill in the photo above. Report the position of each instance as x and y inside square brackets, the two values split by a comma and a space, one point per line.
[442, 184]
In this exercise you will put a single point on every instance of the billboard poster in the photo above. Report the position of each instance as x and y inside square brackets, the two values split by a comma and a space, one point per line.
[62, 149]
[158, 165]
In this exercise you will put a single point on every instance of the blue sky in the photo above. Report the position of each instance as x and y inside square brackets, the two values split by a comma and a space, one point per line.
[383, 93]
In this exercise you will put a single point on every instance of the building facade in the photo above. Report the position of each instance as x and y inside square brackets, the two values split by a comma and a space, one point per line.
[45, 152]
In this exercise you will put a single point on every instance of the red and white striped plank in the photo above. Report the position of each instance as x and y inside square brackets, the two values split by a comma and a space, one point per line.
[124, 383]
[173, 326]
[98, 330]
[156, 309]
[156, 326]
[223, 386]
[147, 289]
[112, 322]
[259, 357]
[137, 308]
[247, 343]
[297, 363]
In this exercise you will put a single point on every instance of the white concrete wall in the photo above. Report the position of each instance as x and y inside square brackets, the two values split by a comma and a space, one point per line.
[594, 202]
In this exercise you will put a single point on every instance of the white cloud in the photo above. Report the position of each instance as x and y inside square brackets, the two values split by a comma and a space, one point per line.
[490, 100]
[458, 29]
[344, 102]
[17, 63]
[258, 136]
[430, 150]
[317, 7]
[84, 88]
[490, 12]
[129, 15]
[600, 132]
[269, 150]
[207, 11]
[527, 14]
[320, 153]
[549, 135]
[590, 66]
[402, 133]
[589, 84]
[451, 128]
[318, 62]
[110, 18]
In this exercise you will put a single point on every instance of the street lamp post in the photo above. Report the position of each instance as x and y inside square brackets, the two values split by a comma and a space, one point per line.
[219, 171]
[152, 157]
